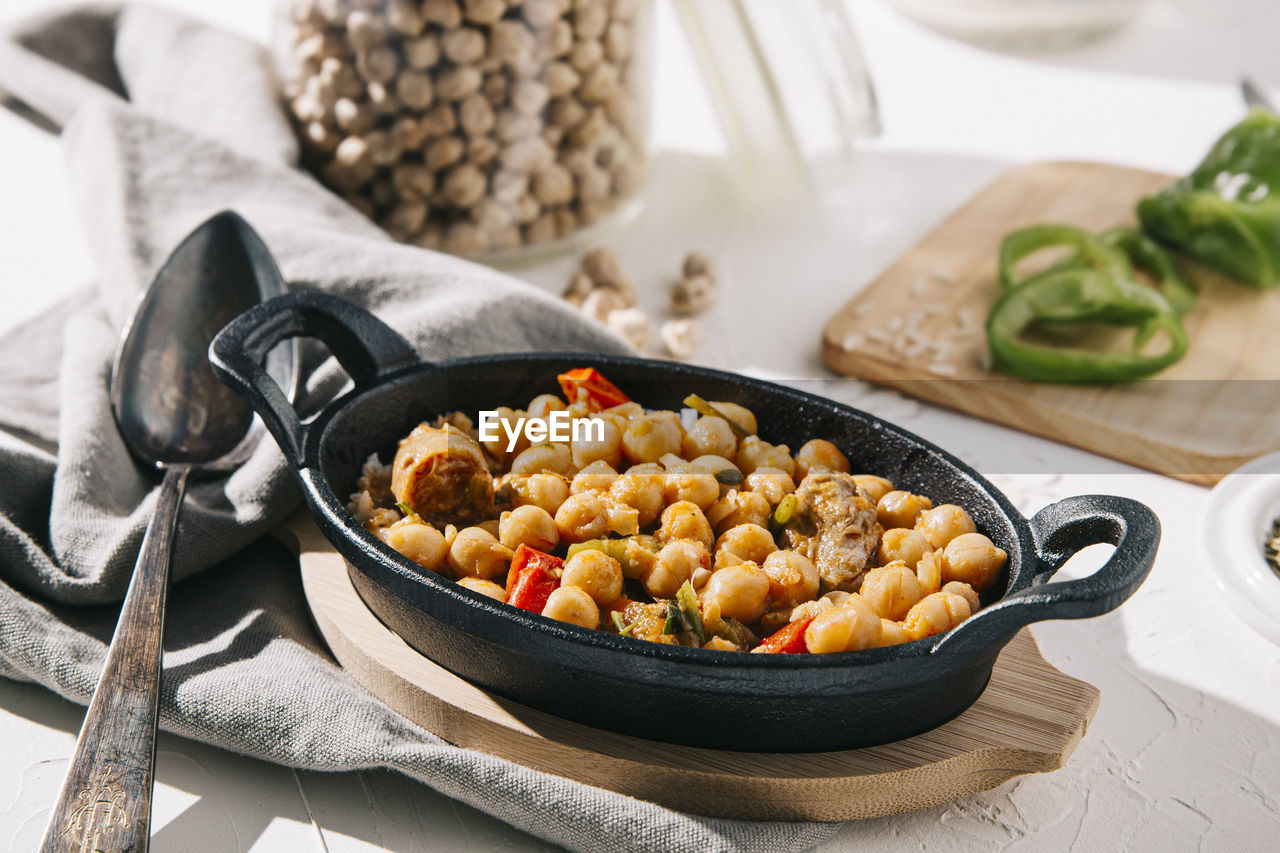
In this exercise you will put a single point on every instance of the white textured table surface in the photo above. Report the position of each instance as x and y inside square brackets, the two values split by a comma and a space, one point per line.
[1185, 751]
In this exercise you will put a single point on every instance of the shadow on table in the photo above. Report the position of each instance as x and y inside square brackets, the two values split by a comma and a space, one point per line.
[1162, 767]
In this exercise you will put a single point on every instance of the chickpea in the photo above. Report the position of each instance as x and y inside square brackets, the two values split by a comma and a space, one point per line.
[720, 644]
[710, 436]
[891, 591]
[548, 491]
[754, 452]
[929, 573]
[650, 437]
[875, 487]
[489, 588]
[693, 484]
[738, 508]
[700, 578]
[943, 523]
[675, 564]
[641, 490]
[810, 609]
[973, 559]
[606, 448]
[528, 525]
[935, 614]
[750, 542]
[595, 573]
[740, 415]
[582, 517]
[490, 527]
[773, 483]
[507, 419]
[902, 544]
[572, 605]
[726, 473]
[891, 634]
[417, 540]
[684, 520]
[793, 578]
[623, 520]
[901, 509]
[966, 592]
[838, 597]
[598, 476]
[850, 627]
[741, 592]
[819, 453]
[543, 405]
[625, 411]
[477, 553]
[550, 457]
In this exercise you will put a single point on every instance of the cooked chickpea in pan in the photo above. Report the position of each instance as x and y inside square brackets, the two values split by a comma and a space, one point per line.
[678, 527]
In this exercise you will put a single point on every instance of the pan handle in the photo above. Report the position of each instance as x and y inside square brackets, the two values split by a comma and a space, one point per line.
[366, 348]
[1060, 530]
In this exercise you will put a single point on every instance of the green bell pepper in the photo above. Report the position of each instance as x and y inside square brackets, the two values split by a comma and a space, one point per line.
[1226, 213]
[1076, 295]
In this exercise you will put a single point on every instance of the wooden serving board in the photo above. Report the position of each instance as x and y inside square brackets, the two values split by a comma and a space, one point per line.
[1029, 720]
[1208, 414]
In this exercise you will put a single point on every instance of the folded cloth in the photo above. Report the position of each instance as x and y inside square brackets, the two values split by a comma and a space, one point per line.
[166, 121]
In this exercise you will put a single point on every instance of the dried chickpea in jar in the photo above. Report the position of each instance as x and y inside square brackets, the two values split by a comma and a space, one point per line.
[472, 126]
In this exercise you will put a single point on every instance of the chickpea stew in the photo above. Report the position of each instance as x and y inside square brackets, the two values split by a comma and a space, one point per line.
[674, 527]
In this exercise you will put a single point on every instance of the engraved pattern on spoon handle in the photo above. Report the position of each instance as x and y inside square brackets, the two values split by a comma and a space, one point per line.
[105, 802]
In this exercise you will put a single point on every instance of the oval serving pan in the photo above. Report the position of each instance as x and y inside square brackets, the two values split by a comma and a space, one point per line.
[728, 700]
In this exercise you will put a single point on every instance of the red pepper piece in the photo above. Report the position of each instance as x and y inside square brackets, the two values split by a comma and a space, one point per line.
[787, 640]
[534, 575]
[587, 383]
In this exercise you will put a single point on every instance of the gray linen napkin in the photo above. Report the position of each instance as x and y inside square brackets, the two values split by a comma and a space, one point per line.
[166, 121]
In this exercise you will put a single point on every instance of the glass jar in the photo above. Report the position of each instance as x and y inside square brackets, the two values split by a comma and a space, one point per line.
[1021, 24]
[480, 127]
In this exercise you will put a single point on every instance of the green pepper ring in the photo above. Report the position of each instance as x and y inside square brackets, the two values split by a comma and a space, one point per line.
[1092, 251]
[1076, 295]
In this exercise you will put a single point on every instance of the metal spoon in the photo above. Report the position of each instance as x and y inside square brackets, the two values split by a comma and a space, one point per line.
[176, 416]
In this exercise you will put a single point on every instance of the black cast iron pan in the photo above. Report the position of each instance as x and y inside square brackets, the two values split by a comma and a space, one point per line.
[729, 700]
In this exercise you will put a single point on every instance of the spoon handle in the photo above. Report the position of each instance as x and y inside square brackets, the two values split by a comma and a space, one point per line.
[105, 802]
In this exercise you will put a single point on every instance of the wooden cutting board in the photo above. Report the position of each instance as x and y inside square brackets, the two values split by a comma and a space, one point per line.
[919, 328]
[1028, 720]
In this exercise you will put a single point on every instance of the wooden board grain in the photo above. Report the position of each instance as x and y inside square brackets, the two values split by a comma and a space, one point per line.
[1029, 720]
[1203, 417]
